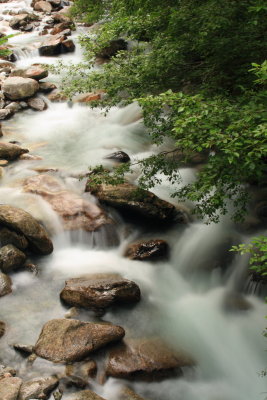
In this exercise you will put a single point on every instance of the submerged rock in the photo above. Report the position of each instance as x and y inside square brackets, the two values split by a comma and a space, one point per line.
[99, 291]
[5, 285]
[9, 151]
[38, 388]
[131, 200]
[147, 250]
[11, 258]
[85, 395]
[148, 359]
[76, 212]
[17, 88]
[23, 223]
[69, 340]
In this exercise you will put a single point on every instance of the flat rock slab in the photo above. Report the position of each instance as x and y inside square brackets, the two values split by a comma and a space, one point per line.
[10, 151]
[131, 200]
[16, 88]
[76, 212]
[70, 340]
[9, 388]
[99, 291]
[38, 388]
[11, 258]
[145, 359]
[5, 285]
[147, 250]
[22, 222]
[86, 395]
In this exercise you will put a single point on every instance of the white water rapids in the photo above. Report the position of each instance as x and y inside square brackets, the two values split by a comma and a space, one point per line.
[182, 299]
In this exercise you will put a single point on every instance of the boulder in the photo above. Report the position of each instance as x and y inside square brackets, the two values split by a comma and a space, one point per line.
[128, 394]
[2, 328]
[36, 72]
[113, 48]
[58, 17]
[85, 395]
[130, 200]
[46, 87]
[11, 258]
[70, 340]
[38, 388]
[16, 88]
[9, 151]
[148, 359]
[119, 156]
[76, 212]
[147, 250]
[83, 369]
[56, 45]
[19, 20]
[43, 6]
[61, 27]
[9, 388]
[9, 237]
[37, 104]
[5, 285]
[68, 46]
[99, 291]
[22, 222]
[6, 114]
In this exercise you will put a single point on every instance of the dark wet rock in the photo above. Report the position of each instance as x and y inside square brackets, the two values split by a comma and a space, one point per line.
[9, 151]
[130, 200]
[2, 328]
[16, 87]
[37, 104]
[76, 212]
[21, 20]
[86, 395]
[68, 46]
[25, 349]
[38, 388]
[83, 369]
[128, 394]
[9, 388]
[5, 285]
[113, 48]
[147, 250]
[261, 210]
[119, 156]
[27, 28]
[11, 258]
[43, 6]
[46, 87]
[69, 340]
[6, 114]
[23, 223]
[32, 268]
[235, 302]
[145, 359]
[99, 291]
[61, 27]
[10, 237]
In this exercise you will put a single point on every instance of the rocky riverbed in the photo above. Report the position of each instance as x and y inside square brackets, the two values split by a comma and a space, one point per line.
[106, 292]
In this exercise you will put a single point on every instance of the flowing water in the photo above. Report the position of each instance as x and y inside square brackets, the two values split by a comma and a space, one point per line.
[183, 300]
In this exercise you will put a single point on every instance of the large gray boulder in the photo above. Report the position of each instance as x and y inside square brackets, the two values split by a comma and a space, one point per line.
[99, 291]
[9, 388]
[70, 340]
[11, 258]
[38, 388]
[17, 88]
[22, 222]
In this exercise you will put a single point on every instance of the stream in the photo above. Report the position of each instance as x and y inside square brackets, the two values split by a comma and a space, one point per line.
[184, 299]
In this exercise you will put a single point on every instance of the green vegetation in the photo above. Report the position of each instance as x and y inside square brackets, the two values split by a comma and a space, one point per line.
[198, 70]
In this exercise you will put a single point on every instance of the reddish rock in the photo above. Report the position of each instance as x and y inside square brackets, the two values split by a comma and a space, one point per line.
[70, 340]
